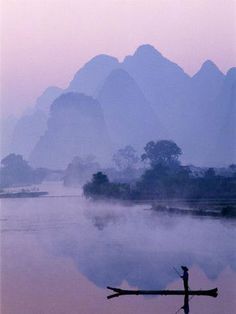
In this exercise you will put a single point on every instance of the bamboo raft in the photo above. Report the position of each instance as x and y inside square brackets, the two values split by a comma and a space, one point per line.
[119, 292]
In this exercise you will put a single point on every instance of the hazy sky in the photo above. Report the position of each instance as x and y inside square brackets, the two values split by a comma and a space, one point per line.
[44, 42]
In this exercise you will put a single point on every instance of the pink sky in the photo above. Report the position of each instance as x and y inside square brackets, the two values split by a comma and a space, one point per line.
[44, 42]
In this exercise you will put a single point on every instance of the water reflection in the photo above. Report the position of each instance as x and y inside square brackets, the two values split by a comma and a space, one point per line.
[117, 245]
[141, 249]
[185, 307]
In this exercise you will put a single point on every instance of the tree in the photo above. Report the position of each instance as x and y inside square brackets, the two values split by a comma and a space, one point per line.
[101, 187]
[15, 171]
[125, 158]
[98, 186]
[232, 169]
[15, 162]
[162, 152]
[100, 178]
[210, 173]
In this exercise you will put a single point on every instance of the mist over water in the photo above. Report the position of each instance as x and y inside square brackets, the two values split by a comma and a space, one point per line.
[110, 244]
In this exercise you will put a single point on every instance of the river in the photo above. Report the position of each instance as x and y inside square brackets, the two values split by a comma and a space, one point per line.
[58, 254]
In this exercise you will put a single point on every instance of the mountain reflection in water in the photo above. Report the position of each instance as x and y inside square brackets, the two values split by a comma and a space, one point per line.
[59, 254]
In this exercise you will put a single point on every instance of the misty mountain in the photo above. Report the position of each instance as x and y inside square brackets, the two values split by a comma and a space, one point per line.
[163, 82]
[75, 127]
[7, 126]
[91, 76]
[167, 88]
[45, 100]
[207, 82]
[212, 126]
[27, 131]
[146, 97]
[32, 125]
[128, 115]
[189, 108]
[225, 146]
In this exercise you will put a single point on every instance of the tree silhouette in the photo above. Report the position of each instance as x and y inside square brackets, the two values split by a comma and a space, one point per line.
[162, 152]
[15, 171]
[125, 158]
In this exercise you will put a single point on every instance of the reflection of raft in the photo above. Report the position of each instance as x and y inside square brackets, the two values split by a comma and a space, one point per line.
[120, 292]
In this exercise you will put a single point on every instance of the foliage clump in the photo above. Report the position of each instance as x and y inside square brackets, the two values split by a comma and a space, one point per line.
[164, 178]
[15, 171]
[101, 187]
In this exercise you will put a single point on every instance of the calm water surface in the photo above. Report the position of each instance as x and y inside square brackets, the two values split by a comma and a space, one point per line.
[58, 254]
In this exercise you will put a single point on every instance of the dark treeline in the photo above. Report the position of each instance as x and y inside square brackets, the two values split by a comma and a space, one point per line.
[163, 178]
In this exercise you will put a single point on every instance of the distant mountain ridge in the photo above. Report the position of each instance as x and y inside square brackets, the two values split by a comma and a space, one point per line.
[145, 97]
[128, 115]
[75, 127]
[159, 79]
[92, 75]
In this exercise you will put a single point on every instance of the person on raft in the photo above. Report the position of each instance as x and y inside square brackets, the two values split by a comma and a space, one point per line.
[185, 278]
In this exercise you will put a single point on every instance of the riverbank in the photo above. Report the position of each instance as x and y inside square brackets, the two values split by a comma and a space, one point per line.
[212, 208]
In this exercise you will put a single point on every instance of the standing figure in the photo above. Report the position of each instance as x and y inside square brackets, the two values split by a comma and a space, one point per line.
[185, 278]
